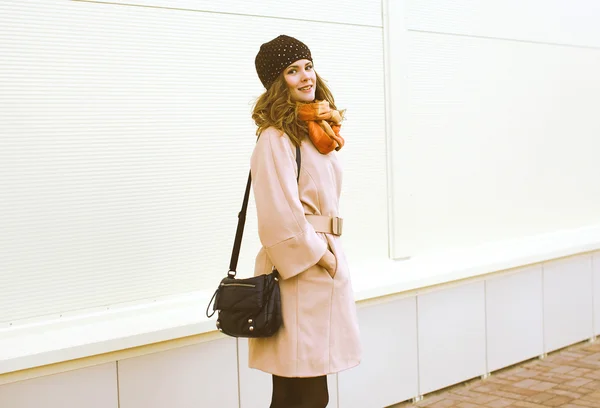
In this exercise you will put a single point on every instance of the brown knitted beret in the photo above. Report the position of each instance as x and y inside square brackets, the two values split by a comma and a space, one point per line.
[275, 55]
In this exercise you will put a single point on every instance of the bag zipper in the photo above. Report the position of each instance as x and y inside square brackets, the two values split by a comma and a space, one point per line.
[246, 285]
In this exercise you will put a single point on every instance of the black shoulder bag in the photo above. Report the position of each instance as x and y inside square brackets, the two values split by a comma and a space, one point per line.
[248, 307]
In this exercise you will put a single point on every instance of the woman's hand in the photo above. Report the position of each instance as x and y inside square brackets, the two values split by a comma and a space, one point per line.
[328, 262]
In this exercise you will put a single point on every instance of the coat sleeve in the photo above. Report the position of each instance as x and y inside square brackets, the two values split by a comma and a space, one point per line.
[289, 240]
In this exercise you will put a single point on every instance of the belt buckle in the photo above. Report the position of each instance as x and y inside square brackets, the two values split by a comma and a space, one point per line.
[336, 225]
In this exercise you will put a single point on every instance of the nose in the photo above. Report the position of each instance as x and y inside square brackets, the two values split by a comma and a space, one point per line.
[304, 76]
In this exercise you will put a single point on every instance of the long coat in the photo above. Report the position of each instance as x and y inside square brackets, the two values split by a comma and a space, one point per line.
[320, 330]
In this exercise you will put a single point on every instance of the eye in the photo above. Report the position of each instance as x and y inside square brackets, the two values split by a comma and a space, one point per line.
[309, 67]
[292, 71]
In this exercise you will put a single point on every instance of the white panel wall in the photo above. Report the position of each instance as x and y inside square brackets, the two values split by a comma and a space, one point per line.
[202, 375]
[93, 387]
[388, 370]
[497, 130]
[568, 304]
[454, 326]
[451, 336]
[514, 317]
[126, 139]
[255, 385]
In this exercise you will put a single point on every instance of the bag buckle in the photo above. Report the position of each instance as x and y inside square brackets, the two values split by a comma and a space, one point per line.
[336, 225]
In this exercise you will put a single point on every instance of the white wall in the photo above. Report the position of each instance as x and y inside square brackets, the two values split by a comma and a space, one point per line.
[126, 137]
[494, 126]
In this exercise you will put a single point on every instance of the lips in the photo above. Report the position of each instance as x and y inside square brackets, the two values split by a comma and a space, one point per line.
[305, 88]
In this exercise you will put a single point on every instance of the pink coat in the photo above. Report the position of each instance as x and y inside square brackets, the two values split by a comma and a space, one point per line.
[320, 330]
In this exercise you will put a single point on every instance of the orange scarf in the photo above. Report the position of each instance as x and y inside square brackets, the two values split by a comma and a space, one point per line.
[323, 125]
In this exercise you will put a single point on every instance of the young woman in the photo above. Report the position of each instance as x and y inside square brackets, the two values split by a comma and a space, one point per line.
[300, 228]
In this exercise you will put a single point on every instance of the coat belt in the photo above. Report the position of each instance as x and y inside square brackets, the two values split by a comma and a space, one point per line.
[326, 224]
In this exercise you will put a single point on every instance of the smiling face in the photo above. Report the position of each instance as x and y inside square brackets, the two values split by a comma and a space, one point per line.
[301, 80]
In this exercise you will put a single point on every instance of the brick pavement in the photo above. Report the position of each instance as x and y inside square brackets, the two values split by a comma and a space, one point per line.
[567, 378]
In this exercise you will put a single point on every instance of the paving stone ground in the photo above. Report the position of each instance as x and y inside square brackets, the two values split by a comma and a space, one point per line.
[568, 378]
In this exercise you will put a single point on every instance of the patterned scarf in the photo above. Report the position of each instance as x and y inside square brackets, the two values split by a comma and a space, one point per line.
[323, 125]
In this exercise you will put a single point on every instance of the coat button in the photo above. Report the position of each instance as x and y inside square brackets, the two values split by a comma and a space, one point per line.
[249, 320]
[251, 328]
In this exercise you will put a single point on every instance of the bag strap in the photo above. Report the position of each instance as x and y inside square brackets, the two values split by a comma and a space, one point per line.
[235, 253]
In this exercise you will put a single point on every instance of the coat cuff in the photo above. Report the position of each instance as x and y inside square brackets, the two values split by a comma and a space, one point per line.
[297, 254]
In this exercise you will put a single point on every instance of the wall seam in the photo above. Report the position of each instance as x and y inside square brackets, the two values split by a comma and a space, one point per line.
[485, 327]
[113, 3]
[388, 128]
[485, 37]
[237, 361]
[118, 387]
[593, 298]
[543, 310]
[419, 393]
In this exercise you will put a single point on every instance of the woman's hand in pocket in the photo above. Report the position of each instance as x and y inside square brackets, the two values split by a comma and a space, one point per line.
[328, 262]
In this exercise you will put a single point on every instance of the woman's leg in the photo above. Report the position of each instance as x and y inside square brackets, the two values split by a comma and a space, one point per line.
[310, 392]
[282, 392]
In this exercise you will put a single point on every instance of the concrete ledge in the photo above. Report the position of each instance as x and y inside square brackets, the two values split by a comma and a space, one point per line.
[395, 277]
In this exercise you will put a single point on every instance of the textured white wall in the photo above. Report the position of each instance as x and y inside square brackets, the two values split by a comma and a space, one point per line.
[126, 139]
[494, 122]
[126, 134]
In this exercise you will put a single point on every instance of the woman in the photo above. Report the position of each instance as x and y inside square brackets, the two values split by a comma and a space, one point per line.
[299, 228]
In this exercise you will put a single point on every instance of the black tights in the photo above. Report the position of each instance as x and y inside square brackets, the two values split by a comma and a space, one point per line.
[300, 392]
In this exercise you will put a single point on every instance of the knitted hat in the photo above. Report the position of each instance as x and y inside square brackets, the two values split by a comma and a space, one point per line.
[275, 55]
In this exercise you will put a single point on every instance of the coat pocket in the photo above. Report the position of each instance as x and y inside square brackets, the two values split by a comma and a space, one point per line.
[331, 245]
[337, 261]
